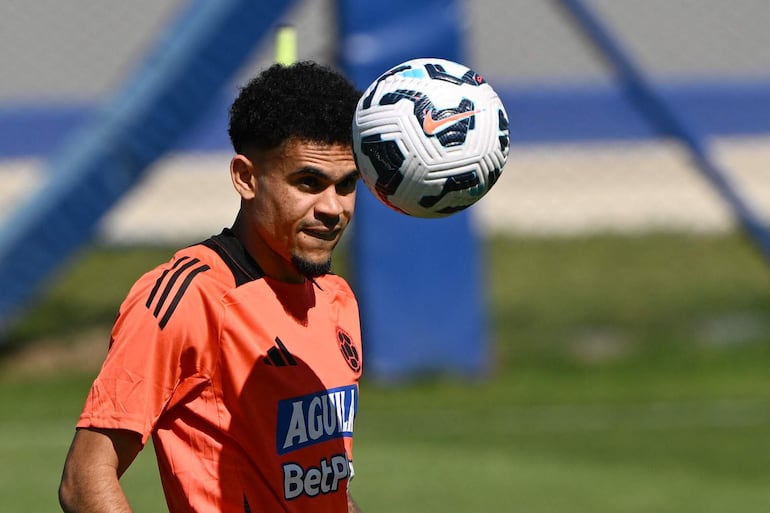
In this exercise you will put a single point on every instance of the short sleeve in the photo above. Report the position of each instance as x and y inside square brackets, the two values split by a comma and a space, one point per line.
[154, 349]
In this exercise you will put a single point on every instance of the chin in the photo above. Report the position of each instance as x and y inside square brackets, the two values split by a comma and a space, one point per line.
[311, 268]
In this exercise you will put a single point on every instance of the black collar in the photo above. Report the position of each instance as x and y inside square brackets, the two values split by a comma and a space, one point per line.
[232, 252]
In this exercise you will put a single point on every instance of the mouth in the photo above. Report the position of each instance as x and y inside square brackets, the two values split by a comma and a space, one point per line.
[322, 233]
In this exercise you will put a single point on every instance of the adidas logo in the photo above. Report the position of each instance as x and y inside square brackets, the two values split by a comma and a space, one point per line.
[279, 356]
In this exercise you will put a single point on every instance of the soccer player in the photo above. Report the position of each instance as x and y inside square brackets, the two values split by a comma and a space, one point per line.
[241, 356]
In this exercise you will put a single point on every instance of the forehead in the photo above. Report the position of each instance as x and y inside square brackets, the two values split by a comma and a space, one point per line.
[331, 158]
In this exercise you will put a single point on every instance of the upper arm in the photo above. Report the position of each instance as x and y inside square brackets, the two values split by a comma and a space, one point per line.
[352, 506]
[96, 460]
[109, 451]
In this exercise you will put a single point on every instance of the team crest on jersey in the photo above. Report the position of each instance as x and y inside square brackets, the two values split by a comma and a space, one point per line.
[348, 350]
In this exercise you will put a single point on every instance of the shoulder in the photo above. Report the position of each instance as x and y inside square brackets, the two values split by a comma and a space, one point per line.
[219, 262]
[195, 264]
[197, 277]
[180, 287]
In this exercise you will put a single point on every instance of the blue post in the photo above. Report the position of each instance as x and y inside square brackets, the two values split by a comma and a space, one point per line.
[419, 281]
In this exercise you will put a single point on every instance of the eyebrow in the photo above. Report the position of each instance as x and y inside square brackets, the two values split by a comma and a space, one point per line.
[351, 174]
[310, 170]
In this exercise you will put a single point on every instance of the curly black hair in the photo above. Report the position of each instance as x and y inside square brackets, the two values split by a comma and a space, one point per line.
[305, 101]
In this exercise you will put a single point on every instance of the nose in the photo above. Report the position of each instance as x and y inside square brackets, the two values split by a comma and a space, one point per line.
[329, 205]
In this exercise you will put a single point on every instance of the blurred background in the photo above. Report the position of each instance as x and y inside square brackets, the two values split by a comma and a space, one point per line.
[625, 252]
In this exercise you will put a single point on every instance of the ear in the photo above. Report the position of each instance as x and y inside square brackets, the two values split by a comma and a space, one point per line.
[243, 177]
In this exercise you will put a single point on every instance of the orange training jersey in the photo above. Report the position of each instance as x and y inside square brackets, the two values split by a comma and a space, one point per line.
[248, 385]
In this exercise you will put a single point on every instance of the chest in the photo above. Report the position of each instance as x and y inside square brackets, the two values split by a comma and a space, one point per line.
[273, 349]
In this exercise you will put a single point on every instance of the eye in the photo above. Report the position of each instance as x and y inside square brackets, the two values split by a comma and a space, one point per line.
[347, 185]
[309, 183]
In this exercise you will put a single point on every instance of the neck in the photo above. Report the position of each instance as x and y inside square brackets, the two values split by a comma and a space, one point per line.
[272, 264]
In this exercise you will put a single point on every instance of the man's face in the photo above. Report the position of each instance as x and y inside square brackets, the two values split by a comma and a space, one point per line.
[304, 196]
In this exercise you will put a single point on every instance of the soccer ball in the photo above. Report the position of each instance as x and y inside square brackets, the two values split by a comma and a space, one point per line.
[430, 137]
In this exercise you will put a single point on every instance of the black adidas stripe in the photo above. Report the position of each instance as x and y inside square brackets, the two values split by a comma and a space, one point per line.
[286, 353]
[180, 293]
[171, 283]
[160, 280]
[274, 358]
[188, 263]
[279, 356]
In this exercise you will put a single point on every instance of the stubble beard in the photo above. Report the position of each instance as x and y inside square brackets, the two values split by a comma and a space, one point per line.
[311, 269]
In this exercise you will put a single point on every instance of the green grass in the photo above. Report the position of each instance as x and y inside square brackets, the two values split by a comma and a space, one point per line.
[651, 297]
[629, 374]
[86, 293]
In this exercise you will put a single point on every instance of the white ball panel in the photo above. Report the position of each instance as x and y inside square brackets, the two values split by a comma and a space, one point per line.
[470, 160]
